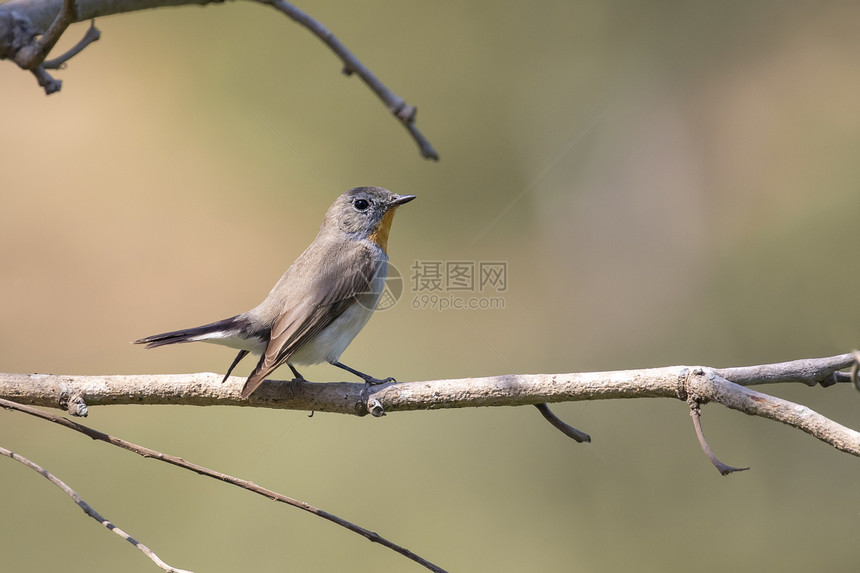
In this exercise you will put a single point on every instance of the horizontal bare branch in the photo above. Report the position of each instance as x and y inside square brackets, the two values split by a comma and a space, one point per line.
[701, 384]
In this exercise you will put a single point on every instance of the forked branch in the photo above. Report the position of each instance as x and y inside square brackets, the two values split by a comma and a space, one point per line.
[726, 386]
[692, 385]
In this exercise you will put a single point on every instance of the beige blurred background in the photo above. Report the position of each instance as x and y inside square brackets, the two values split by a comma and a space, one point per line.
[669, 183]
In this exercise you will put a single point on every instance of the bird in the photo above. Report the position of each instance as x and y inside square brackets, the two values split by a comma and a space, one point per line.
[321, 302]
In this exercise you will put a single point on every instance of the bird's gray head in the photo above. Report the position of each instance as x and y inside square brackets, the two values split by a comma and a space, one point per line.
[366, 212]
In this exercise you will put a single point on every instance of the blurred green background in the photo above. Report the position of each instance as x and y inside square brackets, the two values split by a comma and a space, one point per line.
[669, 183]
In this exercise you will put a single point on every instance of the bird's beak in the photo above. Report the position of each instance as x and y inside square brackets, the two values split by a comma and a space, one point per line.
[400, 200]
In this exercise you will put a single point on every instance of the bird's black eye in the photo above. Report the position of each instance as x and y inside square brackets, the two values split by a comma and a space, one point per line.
[361, 204]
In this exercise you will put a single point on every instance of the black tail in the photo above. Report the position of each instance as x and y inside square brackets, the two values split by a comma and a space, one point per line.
[228, 325]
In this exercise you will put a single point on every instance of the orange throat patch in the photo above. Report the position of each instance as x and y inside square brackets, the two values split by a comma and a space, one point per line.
[380, 234]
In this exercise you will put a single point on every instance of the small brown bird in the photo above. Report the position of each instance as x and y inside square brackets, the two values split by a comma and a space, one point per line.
[323, 300]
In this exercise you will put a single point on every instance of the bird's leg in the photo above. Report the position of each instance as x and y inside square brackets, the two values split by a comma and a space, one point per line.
[297, 377]
[368, 379]
[239, 357]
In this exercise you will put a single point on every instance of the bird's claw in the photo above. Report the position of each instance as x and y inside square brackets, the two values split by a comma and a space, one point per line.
[371, 381]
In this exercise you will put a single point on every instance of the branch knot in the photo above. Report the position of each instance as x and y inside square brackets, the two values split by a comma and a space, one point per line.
[74, 404]
[681, 388]
[16, 32]
[691, 383]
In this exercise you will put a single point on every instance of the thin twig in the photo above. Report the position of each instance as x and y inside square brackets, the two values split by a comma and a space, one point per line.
[404, 112]
[92, 35]
[250, 486]
[696, 414]
[854, 370]
[560, 425]
[809, 371]
[90, 511]
[32, 55]
[47, 81]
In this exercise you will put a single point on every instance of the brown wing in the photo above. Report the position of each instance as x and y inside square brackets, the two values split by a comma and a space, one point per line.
[333, 291]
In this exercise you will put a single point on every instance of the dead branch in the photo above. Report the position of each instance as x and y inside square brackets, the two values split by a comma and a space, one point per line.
[696, 414]
[89, 510]
[92, 35]
[561, 426]
[692, 385]
[30, 28]
[204, 471]
[726, 386]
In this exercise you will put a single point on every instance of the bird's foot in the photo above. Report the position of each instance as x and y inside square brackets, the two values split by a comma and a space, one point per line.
[295, 382]
[297, 377]
[371, 381]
